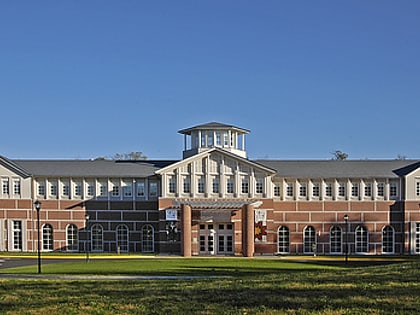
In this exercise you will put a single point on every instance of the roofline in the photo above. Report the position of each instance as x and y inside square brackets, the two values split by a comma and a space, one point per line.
[206, 127]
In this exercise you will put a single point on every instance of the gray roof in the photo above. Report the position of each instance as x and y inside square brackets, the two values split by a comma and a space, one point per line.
[213, 126]
[88, 168]
[340, 169]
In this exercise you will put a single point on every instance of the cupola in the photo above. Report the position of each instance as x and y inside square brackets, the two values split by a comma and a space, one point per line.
[207, 136]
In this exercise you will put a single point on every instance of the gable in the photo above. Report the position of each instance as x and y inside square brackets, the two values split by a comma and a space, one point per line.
[8, 168]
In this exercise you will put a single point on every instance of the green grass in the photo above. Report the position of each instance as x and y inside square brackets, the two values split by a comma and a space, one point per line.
[245, 286]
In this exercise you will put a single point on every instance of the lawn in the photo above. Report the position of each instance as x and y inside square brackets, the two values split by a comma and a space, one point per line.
[240, 286]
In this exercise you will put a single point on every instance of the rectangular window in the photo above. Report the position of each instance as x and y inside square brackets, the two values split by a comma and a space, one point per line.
[229, 185]
[277, 190]
[218, 139]
[91, 190]
[381, 189]
[66, 190]
[289, 190]
[328, 190]
[216, 185]
[186, 185]
[259, 188]
[418, 189]
[368, 190]
[355, 190]
[245, 185]
[315, 190]
[302, 190]
[41, 189]
[201, 185]
[153, 189]
[103, 190]
[5, 186]
[78, 189]
[128, 191]
[342, 190]
[115, 192]
[17, 235]
[393, 190]
[141, 189]
[172, 184]
[16, 187]
[53, 189]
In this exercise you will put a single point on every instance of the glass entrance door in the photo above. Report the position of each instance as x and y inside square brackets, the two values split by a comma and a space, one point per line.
[216, 239]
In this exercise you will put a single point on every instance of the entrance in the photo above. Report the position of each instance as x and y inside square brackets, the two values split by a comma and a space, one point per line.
[216, 239]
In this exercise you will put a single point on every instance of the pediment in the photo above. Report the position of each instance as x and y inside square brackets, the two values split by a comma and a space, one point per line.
[8, 168]
[211, 161]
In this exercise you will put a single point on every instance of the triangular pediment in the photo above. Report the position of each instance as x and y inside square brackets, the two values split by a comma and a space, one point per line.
[8, 168]
[215, 157]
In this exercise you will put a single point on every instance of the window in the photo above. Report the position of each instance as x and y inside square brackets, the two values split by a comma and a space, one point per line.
[335, 240]
[128, 190]
[309, 239]
[201, 185]
[381, 189]
[289, 189]
[172, 184]
[91, 189]
[72, 238]
[122, 238]
[388, 240]
[355, 190]
[315, 190]
[153, 189]
[328, 190]
[16, 186]
[141, 189]
[341, 190]
[283, 240]
[368, 190]
[245, 185]
[361, 240]
[47, 237]
[53, 189]
[66, 189]
[78, 190]
[103, 190]
[17, 235]
[259, 188]
[393, 190]
[216, 185]
[97, 238]
[417, 238]
[418, 189]
[229, 185]
[302, 190]
[218, 139]
[115, 192]
[41, 189]
[186, 185]
[5, 186]
[277, 190]
[147, 233]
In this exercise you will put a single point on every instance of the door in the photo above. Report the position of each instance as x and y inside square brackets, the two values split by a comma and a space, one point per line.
[216, 239]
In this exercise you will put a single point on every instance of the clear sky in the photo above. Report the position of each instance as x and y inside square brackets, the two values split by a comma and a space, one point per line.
[83, 79]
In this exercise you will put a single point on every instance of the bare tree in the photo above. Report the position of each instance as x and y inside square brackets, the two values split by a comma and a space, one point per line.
[339, 155]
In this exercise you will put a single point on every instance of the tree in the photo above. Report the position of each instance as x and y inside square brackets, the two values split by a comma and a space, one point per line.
[339, 155]
[133, 156]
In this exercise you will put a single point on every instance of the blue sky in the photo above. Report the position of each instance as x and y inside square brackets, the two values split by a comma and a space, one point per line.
[82, 79]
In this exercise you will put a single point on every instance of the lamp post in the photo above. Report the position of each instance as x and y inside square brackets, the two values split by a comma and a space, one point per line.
[37, 205]
[346, 220]
[87, 217]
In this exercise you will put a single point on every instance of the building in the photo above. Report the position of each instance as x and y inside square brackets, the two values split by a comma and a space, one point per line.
[215, 201]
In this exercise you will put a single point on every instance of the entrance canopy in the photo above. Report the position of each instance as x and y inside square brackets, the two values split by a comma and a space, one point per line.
[216, 204]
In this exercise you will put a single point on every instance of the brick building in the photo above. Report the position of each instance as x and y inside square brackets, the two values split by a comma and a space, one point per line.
[215, 201]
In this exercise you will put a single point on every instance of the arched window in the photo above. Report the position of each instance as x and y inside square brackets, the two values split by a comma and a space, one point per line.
[361, 240]
[283, 240]
[148, 244]
[97, 240]
[122, 238]
[388, 239]
[309, 240]
[72, 238]
[336, 240]
[47, 237]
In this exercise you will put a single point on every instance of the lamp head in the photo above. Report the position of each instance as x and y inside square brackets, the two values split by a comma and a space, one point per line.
[346, 217]
[37, 205]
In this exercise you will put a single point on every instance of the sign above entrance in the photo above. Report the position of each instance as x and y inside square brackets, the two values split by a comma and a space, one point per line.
[171, 215]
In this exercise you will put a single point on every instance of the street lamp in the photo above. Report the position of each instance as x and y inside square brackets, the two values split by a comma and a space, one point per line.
[87, 217]
[37, 205]
[346, 220]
